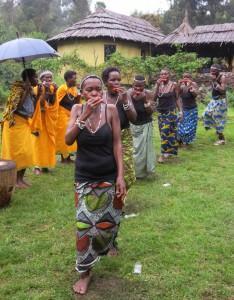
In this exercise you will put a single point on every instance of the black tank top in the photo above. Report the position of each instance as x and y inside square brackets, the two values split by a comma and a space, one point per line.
[95, 161]
[142, 116]
[124, 122]
[166, 102]
[188, 100]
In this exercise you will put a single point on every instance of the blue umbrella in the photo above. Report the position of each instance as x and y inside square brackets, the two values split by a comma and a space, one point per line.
[25, 49]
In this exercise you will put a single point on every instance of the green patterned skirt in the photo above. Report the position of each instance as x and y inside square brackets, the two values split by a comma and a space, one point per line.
[129, 170]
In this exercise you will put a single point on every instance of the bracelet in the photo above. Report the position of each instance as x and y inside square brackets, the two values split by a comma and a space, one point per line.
[80, 124]
[148, 104]
[126, 106]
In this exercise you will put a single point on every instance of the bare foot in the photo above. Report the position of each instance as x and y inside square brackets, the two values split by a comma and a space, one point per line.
[112, 252]
[37, 171]
[20, 185]
[81, 286]
[26, 183]
[161, 160]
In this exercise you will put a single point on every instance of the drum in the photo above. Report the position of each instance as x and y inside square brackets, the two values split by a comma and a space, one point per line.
[7, 181]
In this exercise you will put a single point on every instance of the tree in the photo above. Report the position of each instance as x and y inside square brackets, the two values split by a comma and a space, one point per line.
[76, 10]
[200, 12]
[153, 19]
[100, 4]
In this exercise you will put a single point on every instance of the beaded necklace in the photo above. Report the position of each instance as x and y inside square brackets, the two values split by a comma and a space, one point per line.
[93, 131]
[162, 90]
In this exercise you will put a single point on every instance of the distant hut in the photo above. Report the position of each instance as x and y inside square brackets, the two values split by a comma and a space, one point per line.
[215, 40]
[177, 37]
[104, 32]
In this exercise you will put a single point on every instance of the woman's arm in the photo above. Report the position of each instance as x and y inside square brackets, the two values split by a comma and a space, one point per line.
[130, 111]
[117, 147]
[223, 84]
[148, 102]
[178, 99]
[193, 89]
[73, 129]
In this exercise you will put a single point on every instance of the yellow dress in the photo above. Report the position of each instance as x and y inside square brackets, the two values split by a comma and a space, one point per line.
[44, 125]
[17, 142]
[62, 123]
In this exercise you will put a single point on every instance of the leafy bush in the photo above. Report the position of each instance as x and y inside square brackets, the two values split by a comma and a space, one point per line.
[149, 67]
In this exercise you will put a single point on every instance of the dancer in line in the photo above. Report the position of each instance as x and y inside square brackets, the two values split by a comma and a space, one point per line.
[44, 124]
[100, 187]
[118, 96]
[142, 129]
[17, 144]
[67, 96]
[167, 100]
[187, 127]
[215, 115]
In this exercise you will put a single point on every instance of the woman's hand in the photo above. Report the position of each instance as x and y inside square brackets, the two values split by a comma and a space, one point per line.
[123, 94]
[91, 105]
[120, 188]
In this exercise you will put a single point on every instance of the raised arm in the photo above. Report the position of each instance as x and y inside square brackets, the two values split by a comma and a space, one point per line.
[223, 84]
[72, 128]
[148, 102]
[117, 147]
[127, 102]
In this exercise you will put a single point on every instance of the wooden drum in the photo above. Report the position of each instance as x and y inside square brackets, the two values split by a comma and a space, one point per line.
[7, 181]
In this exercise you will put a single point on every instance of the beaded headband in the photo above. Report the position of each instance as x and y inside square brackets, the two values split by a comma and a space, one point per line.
[88, 77]
[44, 73]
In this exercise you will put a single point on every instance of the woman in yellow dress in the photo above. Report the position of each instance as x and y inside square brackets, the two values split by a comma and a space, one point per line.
[44, 124]
[67, 96]
[17, 142]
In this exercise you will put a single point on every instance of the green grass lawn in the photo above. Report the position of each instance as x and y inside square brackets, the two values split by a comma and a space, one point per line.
[183, 235]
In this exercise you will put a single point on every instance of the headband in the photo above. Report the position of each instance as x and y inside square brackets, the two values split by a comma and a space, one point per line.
[44, 73]
[88, 77]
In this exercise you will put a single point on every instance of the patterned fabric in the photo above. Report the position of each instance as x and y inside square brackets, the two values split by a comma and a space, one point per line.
[16, 93]
[215, 115]
[127, 145]
[144, 153]
[98, 217]
[167, 123]
[187, 128]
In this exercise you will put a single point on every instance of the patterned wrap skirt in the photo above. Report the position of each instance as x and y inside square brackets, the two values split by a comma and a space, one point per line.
[144, 153]
[98, 214]
[127, 145]
[187, 128]
[167, 123]
[215, 115]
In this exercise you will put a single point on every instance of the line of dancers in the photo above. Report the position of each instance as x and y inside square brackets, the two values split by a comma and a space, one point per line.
[111, 131]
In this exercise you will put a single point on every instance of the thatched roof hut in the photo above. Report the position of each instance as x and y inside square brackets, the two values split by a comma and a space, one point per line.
[104, 32]
[215, 40]
[108, 24]
[177, 37]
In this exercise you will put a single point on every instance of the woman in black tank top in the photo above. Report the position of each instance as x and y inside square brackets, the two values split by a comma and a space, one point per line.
[99, 184]
[118, 96]
[142, 129]
[187, 127]
[167, 100]
[215, 115]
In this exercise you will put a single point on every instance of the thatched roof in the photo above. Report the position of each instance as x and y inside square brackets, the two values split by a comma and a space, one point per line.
[210, 34]
[179, 35]
[108, 24]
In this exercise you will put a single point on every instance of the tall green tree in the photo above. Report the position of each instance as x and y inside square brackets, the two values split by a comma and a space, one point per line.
[200, 12]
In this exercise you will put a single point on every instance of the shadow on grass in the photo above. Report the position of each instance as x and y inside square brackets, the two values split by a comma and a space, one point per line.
[108, 287]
